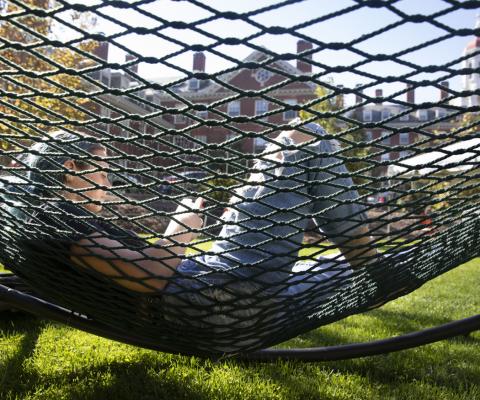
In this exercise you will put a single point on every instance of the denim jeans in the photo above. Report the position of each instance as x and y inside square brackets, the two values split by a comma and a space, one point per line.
[252, 277]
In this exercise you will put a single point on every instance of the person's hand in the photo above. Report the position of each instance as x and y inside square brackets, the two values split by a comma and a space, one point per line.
[188, 212]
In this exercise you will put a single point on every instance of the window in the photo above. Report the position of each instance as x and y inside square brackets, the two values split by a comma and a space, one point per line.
[385, 113]
[179, 119]
[262, 75]
[368, 136]
[105, 80]
[404, 138]
[182, 142]
[233, 108]
[404, 117]
[385, 157]
[199, 138]
[290, 114]
[261, 107]
[367, 115]
[441, 112]
[422, 115]
[404, 154]
[385, 137]
[259, 143]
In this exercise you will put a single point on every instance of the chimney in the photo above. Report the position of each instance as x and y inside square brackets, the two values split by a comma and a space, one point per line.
[358, 98]
[304, 67]
[410, 94]
[101, 51]
[443, 92]
[378, 93]
[199, 62]
[339, 101]
[134, 67]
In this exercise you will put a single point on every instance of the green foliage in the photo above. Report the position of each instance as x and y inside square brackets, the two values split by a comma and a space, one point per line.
[351, 141]
[222, 194]
[19, 101]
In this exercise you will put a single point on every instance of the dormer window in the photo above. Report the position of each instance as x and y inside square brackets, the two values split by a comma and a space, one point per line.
[193, 84]
[202, 113]
[385, 113]
[367, 115]
[440, 112]
[422, 115]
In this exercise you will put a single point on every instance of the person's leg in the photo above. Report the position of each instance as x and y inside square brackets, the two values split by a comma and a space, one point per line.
[265, 225]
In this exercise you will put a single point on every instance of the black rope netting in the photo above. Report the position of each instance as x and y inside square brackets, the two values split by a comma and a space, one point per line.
[320, 200]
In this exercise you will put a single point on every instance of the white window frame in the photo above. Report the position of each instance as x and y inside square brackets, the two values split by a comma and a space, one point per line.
[364, 115]
[386, 113]
[402, 136]
[293, 113]
[261, 109]
[405, 117]
[234, 108]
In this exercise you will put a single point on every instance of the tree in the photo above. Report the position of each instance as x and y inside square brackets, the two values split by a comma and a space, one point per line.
[36, 88]
[351, 141]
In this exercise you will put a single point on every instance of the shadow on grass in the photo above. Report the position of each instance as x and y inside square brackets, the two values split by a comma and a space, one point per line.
[393, 321]
[454, 366]
[108, 380]
[14, 378]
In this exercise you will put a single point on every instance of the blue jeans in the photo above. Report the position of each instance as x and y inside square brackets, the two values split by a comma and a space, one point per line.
[251, 267]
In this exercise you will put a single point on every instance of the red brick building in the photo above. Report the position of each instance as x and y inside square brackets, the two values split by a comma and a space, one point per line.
[200, 115]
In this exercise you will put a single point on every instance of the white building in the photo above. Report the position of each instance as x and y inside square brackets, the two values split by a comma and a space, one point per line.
[471, 82]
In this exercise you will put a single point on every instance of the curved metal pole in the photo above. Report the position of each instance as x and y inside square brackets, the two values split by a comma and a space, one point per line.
[44, 309]
[355, 350]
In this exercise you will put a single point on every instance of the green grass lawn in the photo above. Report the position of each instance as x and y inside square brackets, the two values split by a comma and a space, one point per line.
[44, 360]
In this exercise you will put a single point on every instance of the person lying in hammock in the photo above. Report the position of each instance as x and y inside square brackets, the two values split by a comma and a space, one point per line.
[295, 179]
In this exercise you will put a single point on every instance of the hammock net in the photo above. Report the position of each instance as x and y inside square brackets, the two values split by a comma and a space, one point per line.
[405, 170]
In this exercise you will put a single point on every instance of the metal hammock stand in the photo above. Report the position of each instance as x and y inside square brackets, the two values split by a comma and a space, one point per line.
[391, 186]
[47, 310]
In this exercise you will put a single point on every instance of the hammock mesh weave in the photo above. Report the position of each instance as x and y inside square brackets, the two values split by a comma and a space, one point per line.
[157, 131]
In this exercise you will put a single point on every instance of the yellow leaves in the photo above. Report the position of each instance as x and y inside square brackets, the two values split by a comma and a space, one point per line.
[41, 90]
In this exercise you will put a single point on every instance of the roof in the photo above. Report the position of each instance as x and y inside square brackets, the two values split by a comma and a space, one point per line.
[208, 86]
[441, 160]
[257, 56]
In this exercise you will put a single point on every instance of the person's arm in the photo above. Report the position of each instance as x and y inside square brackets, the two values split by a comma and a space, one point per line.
[359, 250]
[144, 270]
